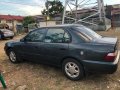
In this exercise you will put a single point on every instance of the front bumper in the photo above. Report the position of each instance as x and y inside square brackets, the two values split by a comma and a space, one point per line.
[8, 35]
[101, 67]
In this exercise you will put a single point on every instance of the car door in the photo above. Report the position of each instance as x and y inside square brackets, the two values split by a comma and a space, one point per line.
[56, 45]
[28, 49]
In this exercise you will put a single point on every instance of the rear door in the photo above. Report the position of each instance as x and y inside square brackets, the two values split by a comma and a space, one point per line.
[56, 45]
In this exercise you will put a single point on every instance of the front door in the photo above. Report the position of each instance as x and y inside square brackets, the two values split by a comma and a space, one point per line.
[29, 48]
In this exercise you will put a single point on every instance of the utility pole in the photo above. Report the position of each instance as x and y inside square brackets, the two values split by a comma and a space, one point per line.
[64, 12]
[76, 3]
[47, 2]
[47, 11]
[100, 11]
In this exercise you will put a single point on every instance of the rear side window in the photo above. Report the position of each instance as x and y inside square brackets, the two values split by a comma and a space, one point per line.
[36, 36]
[88, 32]
[80, 36]
[56, 35]
[83, 36]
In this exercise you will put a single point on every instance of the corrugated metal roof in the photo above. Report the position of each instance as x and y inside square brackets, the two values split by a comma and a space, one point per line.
[11, 17]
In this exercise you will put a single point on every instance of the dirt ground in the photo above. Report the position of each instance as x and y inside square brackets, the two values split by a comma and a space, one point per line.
[31, 76]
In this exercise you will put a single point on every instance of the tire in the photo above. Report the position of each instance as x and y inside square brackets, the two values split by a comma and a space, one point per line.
[72, 69]
[13, 57]
[2, 37]
[11, 37]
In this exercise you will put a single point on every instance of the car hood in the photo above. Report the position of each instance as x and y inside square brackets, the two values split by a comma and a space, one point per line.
[11, 42]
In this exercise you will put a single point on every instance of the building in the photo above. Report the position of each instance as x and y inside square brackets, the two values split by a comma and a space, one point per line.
[115, 13]
[39, 18]
[42, 21]
[13, 22]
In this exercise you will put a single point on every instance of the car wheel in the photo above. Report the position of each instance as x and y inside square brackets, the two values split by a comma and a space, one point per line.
[2, 37]
[11, 37]
[72, 69]
[13, 57]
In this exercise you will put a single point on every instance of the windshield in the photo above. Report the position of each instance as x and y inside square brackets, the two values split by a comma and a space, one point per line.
[88, 32]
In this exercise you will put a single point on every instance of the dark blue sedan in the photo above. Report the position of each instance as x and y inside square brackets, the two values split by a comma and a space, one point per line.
[75, 48]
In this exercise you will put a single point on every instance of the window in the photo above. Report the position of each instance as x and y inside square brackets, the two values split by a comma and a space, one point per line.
[56, 35]
[82, 36]
[9, 21]
[19, 21]
[66, 38]
[36, 36]
[88, 32]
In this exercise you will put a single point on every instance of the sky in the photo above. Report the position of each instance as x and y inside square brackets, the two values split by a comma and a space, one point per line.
[32, 7]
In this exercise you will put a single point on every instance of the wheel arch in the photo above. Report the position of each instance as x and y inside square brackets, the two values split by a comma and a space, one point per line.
[75, 58]
[7, 50]
[79, 61]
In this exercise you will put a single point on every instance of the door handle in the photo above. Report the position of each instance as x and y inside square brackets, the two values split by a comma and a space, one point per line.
[63, 49]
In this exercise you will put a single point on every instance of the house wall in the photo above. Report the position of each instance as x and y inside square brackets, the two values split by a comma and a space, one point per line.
[115, 15]
[12, 24]
[3, 21]
[108, 23]
[48, 23]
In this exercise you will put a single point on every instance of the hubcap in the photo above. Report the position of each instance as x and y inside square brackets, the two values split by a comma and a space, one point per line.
[72, 69]
[12, 56]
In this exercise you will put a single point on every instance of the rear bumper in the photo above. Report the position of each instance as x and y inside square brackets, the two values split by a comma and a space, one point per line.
[101, 67]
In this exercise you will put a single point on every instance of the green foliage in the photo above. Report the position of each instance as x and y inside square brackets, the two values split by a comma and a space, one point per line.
[54, 7]
[28, 20]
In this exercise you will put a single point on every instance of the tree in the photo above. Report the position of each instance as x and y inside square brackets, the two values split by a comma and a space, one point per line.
[28, 20]
[53, 8]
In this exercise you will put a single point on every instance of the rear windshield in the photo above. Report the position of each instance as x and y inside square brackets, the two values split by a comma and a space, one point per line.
[88, 32]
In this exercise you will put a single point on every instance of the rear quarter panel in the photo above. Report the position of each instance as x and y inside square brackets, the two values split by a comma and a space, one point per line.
[89, 51]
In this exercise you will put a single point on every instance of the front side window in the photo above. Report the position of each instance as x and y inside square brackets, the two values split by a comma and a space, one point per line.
[35, 36]
[56, 35]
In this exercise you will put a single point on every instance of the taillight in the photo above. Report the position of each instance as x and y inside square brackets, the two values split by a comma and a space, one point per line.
[110, 57]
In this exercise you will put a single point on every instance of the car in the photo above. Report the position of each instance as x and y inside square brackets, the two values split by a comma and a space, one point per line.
[5, 33]
[76, 49]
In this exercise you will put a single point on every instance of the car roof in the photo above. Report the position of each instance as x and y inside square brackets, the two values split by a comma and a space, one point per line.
[64, 25]
[4, 30]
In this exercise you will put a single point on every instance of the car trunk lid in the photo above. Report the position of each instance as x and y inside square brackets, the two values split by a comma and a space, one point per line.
[108, 40]
[110, 47]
